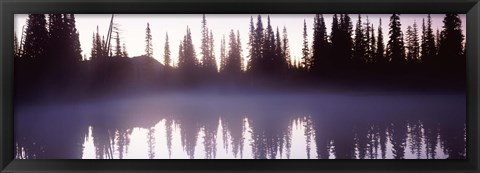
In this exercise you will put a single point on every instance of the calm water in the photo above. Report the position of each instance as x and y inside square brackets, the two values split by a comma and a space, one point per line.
[206, 126]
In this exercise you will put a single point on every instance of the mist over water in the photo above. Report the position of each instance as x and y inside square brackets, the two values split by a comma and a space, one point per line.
[208, 125]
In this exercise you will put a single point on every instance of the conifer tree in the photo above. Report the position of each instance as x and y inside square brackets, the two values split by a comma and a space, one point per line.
[36, 36]
[451, 46]
[223, 55]
[251, 46]
[373, 45]
[166, 57]
[335, 39]
[118, 47]
[346, 41]
[320, 44]
[359, 51]
[124, 48]
[286, 48]
[428, 43]
[395, 46]
[305, 51]
[233, 63]
[148, 42]
[208, 62]
[268, 48]
[380, 52]
[280, 61]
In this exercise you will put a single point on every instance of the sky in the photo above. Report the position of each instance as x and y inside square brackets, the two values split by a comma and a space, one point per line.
[132, 29]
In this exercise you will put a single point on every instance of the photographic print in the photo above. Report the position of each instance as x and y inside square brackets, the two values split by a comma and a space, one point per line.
[240, 86]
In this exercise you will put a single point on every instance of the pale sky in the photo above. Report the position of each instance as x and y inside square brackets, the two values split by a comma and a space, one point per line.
[132, 27]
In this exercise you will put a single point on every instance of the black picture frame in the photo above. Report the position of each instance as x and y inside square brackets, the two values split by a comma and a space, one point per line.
[10, 7]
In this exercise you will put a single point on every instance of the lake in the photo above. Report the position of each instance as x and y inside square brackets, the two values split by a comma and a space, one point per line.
[296, 125]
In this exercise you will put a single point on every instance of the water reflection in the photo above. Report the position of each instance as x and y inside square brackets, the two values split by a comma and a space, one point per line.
[298, 141]
[268, 134]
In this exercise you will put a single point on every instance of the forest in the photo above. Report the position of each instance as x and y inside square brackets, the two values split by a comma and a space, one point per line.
[48, 59]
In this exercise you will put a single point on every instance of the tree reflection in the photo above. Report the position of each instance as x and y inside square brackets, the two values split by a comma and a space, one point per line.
[398, 134]
[269, 137]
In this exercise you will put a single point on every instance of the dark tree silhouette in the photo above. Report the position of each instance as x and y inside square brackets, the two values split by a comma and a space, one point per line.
[451, 46]
[345, 40]
[395, 47]
[251, 46]
[319, 45]
[118, 47]
[380, 52]
[234, 59]
[360, 48]
[286, 48]
[208, 61]
[438, 40]
[75, 52]
[335, 39]
[239, 47]
[373, 45]
[268, 53]
[124, 48]
[187, 62]
[428, 51]
[305, 50]
[166, 57]
[257, 59]
[413, 48]
[223, 55]
[36, 37]
[369, 40]
[280, 62]
[148, 41]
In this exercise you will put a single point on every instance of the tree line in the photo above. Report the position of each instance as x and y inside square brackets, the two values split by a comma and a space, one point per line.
[54, 47]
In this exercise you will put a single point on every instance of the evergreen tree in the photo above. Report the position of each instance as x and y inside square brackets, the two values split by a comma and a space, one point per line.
[223, 55]
[409, 46]
[166, 57]
[73, 40]
[98, 46]
[451, 46]
[36, 36]
[320, 44]
[286, 48]
[181, 55]
[280, 61]
[118, 47]
[428, 43]
[438, 40]
[208, 62]
[257, 59]
[360, 52]
[335, 39]
[93, 52]
[233, 63]
[212, 53]
[380, 52]
[268, 48]
[373, 45]
[188, 63]
[239, 48]
[251, 47]
[124, 48]
[148, 42]
[413, 48]
[395, 46]
[305, 51]
[346, 41]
